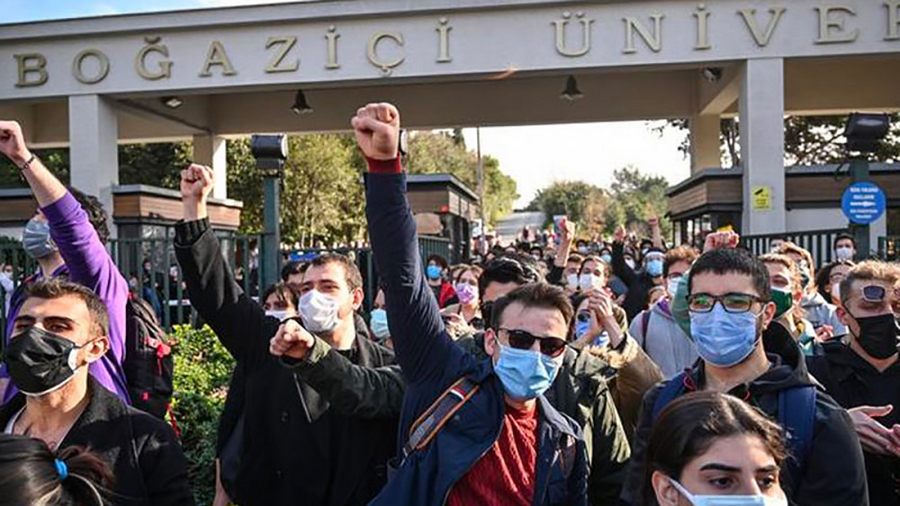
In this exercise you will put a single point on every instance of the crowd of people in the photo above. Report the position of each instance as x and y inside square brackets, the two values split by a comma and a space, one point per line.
[572, 372]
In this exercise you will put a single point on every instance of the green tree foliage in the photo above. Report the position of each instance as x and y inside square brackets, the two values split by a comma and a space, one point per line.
[202, 371]
[632, 199]
[437, 152]
[583, 203]
[808, 140]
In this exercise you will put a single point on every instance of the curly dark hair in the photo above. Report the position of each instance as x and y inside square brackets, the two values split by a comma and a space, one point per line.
[96, 214]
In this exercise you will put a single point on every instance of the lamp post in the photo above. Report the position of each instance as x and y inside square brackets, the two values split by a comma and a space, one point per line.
[864, 132]
[270, 152]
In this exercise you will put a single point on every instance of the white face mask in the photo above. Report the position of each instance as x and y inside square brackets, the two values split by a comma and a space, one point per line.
[729, 500]
[844, 253]
[572, 281]
[588, 282]
[280, 314]
[630, 263]
[319, 312]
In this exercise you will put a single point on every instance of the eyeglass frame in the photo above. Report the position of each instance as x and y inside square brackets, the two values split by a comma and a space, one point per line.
[539, 339]
[719, 299]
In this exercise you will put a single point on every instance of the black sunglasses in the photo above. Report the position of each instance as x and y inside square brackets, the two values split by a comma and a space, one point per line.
[523, 340]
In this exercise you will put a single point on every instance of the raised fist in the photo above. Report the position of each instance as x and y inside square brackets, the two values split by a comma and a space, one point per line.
[567, 230]
[717, 240]
[377, 129]
[12, 142]
[291, 340]
[196, 182]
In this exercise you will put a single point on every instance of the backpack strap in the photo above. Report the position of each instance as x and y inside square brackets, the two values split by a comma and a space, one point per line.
[426, 427]
[672, 389]
[797, 415]
[645, 324]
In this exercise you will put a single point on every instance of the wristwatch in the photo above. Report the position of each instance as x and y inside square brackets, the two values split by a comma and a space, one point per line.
[403, 143]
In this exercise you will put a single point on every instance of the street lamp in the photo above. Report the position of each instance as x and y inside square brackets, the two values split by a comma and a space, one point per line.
[864, 133]
[270, 152]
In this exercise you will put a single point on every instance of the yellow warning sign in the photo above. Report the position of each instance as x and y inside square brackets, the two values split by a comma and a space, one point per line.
[761, 198]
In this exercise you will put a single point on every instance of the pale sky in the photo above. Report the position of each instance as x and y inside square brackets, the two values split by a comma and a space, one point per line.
[534, 156]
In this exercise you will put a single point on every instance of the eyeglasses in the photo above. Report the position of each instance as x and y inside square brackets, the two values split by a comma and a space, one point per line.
[523, 340]
[731, 302]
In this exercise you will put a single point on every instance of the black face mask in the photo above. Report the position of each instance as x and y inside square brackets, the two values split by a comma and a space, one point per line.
[40, 362]
[878, 335]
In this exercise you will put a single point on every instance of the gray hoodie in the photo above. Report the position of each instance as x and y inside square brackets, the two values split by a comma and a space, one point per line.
[663, 340]
[819, 312]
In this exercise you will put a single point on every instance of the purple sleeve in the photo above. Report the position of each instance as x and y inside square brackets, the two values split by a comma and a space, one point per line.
[90, 265]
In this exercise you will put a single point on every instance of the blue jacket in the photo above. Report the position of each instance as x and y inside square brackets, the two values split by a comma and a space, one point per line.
[431, 362]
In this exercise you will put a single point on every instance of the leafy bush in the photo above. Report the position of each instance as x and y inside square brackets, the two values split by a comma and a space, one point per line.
[202, 370]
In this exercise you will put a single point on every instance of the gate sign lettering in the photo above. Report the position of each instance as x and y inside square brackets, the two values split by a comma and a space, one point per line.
[863, 203]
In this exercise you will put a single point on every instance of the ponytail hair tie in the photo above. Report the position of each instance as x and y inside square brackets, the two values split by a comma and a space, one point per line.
[62, 469]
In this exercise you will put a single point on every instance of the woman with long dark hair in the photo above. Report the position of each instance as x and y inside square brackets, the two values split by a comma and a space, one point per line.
[30, 473]
[708, 444]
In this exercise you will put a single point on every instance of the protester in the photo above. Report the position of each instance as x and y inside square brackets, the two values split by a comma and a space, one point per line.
[464, 317]
[711, 448]
[656, 330]
[30, 473]
[787, 292]
[378, 322]
[60, 329]
[506, 434]
[66, 237]
[844, 248]
[294, 444]
[829, 278]
[819, 312]
[730, 305]
[279, 302]
[862, 372]
[600, 327]
[292, 272]
[638, 282]
[436, 273]
[593, 275]
[566, 265]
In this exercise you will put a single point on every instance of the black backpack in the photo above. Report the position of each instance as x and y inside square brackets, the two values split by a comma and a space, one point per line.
[148, 362]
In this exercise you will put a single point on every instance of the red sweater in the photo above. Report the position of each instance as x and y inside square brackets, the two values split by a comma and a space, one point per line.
[505, 474]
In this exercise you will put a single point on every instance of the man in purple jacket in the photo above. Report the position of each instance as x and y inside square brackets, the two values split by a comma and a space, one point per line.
[65, 242]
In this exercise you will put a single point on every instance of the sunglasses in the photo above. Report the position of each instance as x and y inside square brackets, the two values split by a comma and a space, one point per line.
[523, 340]
[873, 293]
[583, 316]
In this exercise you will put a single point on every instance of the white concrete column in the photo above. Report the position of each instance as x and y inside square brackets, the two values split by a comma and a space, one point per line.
[705, 151]
[93, 147]
[762, 144]
[209, 150]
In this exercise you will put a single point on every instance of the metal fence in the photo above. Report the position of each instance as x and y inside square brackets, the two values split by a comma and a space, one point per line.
[152, 272]
[818, 242]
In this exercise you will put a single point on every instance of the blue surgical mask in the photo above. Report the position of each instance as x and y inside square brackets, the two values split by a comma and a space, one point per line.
[582, 328]
[606, 257]
[655, 267]
[602, 339]
[525, 374]
[728, 500]
[379, 324]
[36, 239]
[433, 272]
[724, 339]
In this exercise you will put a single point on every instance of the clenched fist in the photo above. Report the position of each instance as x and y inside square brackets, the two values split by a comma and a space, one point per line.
[196, 182]
[291, 340]
[377, 129]
[12, 143]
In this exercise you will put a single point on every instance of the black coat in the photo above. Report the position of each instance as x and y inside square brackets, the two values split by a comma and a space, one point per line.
[639, 282]
[834, 471]
[143, 452]
[854, 382]
[296, 451]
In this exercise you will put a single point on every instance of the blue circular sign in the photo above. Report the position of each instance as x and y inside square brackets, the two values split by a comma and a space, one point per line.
[863, 203]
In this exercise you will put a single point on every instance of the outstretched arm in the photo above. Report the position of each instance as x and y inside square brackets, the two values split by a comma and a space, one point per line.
[424, 350]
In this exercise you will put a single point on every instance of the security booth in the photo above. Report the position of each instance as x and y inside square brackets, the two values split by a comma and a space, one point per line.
[444, 209]
[713, 198]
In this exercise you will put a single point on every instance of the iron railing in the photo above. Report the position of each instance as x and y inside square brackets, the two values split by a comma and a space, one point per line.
[889, 248]
[817, 242]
